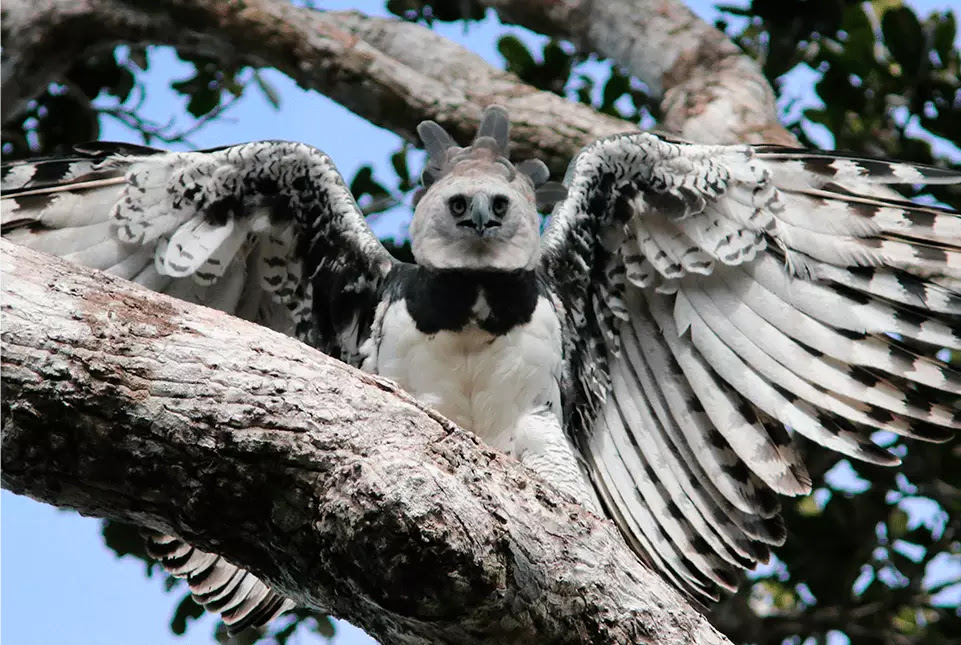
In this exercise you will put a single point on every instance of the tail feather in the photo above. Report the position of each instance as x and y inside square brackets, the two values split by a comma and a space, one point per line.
[242, 598]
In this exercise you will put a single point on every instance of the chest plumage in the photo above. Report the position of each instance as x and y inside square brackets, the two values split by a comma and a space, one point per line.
[484, 349]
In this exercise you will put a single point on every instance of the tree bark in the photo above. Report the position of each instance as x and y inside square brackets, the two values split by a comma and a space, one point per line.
[392, 73]
[712, 92]
[333, 485]
[396, 74]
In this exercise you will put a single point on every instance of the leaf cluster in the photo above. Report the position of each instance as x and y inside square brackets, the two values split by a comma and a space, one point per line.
[109, 85]
[889, 82]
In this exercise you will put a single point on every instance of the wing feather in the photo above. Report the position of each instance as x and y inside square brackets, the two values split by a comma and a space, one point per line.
[663, 467]
[824, 375]
[765, 292]
[856, 349]
[690, 428]
[852, 311]
[242, 598]
[635, 511]
[775, 462]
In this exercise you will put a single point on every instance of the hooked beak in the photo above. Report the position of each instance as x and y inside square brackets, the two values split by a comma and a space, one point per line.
[480, 218]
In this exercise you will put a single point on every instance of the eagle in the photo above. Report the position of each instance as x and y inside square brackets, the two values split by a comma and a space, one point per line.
[652, 352]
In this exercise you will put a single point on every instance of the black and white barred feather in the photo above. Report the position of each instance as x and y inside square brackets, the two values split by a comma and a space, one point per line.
[240, 597]
[242, 228]
[720, 300]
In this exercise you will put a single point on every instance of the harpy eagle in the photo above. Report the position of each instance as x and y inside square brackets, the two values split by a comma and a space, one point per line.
[686, 312]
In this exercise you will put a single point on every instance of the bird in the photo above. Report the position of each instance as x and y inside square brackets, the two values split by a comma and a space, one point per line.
[654, 352]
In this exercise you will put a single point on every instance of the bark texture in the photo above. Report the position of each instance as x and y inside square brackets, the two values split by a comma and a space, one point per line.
[397, 74]
[392, 73]
[332, 484]
[712, 92]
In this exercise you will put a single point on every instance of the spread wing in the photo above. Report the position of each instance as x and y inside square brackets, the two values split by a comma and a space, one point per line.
[239, 228]
[719, 300]
[267, 231]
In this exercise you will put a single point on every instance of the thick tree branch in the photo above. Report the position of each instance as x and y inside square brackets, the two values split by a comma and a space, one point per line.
[391, 73]
[712, 91]
[397, 74]
[330, 483]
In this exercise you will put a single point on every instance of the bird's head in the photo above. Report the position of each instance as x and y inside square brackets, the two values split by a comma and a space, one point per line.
[477, 210]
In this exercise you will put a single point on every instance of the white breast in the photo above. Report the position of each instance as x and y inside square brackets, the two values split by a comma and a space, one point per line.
[482, 382]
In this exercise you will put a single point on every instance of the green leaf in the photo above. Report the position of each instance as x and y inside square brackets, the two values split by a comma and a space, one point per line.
[897, 523]
[945, 29]
[857, 57]
[138, 56]
[187, 86]
[906, 620]
[123, 539]
[807, 507]
[187, 610]
[358, 186]
[203, 101]
[284, 634]
[199, 61]
[616, 87]
[233, 86]
[365, 184]
[122, 84]
[734, 10]
[399, 161]
[557, 62]
[585, 89]
[519, 60]
[442, 10]
[401, 8]
[102, 73]
[402, 252]
[904, 38]
[68, 119]
[324, 627]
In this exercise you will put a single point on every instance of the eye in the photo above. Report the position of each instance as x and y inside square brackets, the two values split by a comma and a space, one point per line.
[457, 204]
[499, 205]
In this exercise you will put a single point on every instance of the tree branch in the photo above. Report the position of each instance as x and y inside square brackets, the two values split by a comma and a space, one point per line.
[332, 484]
[712, 92]
[392, 73]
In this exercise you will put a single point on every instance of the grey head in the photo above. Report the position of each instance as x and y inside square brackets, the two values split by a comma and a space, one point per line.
[477, 210]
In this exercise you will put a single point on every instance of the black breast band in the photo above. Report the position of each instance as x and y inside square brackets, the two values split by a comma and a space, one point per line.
[444, 299]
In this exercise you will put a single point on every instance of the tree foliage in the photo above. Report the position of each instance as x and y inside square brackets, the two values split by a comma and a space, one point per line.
[874, 555]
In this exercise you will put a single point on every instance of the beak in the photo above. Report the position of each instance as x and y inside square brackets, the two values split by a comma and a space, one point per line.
[481, 217]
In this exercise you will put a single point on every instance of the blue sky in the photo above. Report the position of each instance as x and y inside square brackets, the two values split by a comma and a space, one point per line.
[59, 583]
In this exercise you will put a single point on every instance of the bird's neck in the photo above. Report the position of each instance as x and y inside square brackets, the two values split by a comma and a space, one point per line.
[452, 299]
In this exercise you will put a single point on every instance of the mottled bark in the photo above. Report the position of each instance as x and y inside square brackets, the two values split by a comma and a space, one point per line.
[331, 484]
[711, 91]
[393, 74]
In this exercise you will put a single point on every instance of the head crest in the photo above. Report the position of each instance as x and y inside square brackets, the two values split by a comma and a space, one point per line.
[492, 143]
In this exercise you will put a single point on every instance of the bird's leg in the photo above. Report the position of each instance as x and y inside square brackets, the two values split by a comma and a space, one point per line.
[541, 444]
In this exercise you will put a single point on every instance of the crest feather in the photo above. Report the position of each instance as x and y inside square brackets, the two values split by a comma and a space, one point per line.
[491, 144]
[496, 125]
